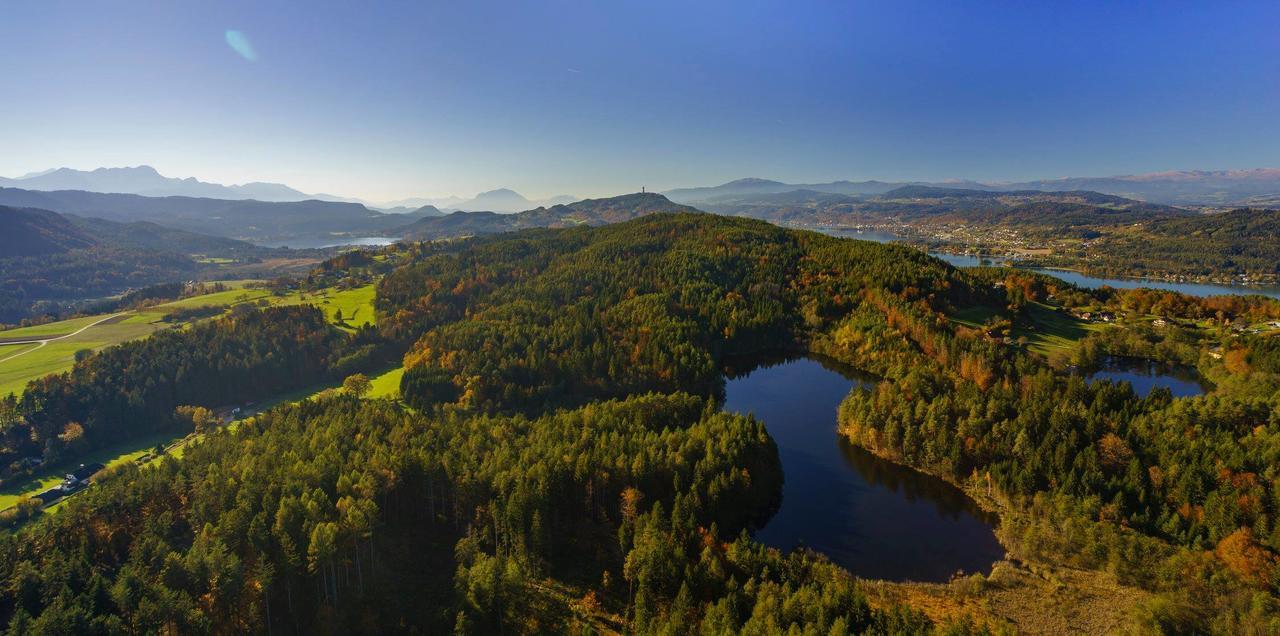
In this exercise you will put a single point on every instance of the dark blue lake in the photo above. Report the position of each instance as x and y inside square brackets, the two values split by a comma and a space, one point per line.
[1148, 375]
[873, 517]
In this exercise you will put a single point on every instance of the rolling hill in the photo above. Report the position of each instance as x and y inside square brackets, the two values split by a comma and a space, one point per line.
[256, 221]
[33, 232]
[585, 212]
[50, 262]
[507, 200]
[753, 186]
[1174, 187]
[151, 236]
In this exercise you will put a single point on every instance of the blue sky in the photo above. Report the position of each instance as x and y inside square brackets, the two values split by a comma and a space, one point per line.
[597, 98]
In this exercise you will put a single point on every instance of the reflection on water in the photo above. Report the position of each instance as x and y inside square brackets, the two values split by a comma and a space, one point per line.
[869, 515]
[907, 482]
[1147, 375]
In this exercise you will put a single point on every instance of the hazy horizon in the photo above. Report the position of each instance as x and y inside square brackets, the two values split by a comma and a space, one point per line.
[463, 196]
[594, 100]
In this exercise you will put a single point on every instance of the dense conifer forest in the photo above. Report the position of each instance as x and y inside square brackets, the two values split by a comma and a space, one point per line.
[559, 463]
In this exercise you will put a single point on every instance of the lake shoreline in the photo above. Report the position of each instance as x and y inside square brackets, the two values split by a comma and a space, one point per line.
[880, 520]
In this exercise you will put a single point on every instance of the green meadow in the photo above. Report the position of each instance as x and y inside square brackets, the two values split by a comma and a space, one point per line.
[21, 363]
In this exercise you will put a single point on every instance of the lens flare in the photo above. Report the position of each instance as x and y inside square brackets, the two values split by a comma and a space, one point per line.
[239, 42]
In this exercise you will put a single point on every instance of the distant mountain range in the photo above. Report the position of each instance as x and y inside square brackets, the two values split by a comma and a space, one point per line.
[1197, 187]
[147, 181]
[263, 222]
[585, 212]
[753, 186]
[1179, 187]
[504, 200]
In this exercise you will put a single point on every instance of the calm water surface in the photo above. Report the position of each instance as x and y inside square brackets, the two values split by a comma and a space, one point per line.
[1075, 278]
[1148, 375]
[1093, 282]
[873, 517]
[1190, 289]
[332, 241]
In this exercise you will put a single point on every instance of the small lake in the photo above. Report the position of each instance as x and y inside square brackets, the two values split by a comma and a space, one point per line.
[873, 517]
[1147, 375]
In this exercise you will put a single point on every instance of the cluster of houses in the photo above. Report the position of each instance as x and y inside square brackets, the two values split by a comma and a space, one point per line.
[1094, 316]
[73, 481]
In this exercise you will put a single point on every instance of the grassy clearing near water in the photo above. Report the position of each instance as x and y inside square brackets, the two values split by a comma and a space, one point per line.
[1047, 329]
[975, 316]
[1043, 327]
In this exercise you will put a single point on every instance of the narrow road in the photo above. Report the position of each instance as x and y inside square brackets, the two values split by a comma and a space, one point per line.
[45, 341]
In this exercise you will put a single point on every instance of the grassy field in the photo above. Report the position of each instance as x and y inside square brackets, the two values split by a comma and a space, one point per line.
[19, 364]
[1044, 328]
[219, 299]
[1047, 329]
[17, 368]
[48, 330]
[387, 385]
[356, 304]
[975, 316]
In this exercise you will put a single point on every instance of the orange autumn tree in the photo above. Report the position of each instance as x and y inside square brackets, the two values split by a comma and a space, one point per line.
[1251, 561]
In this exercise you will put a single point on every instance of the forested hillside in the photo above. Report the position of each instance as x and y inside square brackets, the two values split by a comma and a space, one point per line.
[55, 263]
[31, 232]
[40, 285]
[1098, 234]
[585, 212]
[559, 463]
[132, 389]
[1223, 246]
[261, 221]
[655, 304]
[152, 236]
[631, 507]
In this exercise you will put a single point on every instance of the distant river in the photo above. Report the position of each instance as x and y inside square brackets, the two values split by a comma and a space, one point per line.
[332, 241]
[873, 517]
[1076, 278]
